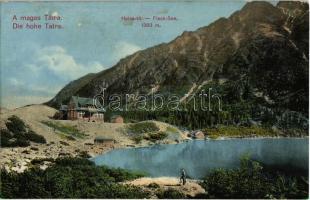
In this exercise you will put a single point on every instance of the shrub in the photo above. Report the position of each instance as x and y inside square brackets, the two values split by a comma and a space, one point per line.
[153, 185]
[146, 130]
[143, 127]
[84, 154]
[6, 134]
[68, 161]
[137, 138]
[41, 160]
[251, 181]
[170, 194]
[172, 129]
[5, 142]
[34, 137]
[9, 139]
[20, 142]
[157, 136]
[69, 178]
[18, 135]
[5, 137]
[246, 182]
[122, 174]
[16, 125]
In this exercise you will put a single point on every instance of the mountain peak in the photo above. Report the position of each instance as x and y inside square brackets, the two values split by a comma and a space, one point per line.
[254, 38]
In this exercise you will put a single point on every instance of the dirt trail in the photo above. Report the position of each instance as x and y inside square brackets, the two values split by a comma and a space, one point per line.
[191, 188]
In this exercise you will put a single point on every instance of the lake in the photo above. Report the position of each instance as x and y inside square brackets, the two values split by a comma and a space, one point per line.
[198, 157]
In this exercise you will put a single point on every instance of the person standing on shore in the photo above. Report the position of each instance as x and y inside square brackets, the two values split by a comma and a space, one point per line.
[183, 176]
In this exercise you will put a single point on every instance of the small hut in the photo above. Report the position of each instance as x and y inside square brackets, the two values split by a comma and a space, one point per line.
[104, 141]
[117, 119]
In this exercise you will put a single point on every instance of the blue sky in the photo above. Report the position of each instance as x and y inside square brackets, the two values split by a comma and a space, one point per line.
[35, 65]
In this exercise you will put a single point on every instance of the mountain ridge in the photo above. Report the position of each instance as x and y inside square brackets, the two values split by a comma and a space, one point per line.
[241, 45]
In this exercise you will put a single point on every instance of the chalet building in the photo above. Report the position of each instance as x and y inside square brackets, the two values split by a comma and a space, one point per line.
[80, 108]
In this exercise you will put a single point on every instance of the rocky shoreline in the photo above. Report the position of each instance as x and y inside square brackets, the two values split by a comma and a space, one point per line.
[19, 159]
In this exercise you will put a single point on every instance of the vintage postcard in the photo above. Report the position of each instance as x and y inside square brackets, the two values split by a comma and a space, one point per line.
[154, 99]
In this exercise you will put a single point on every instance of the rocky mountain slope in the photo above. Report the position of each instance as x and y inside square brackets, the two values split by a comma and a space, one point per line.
[262, 45]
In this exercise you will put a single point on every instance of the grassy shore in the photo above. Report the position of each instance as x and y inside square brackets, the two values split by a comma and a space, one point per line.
[67, 131]
[251, 131]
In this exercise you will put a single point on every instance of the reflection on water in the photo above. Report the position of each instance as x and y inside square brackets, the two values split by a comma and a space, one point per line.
[199, 157]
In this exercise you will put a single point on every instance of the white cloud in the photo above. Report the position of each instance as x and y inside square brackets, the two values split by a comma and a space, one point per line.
[55, 13]
[57, 60]
[36, 84]
[123, 49]
[42, 75]
[19, 87]
[14, 82]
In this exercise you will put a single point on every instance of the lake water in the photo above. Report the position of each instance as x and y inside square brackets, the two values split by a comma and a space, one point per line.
[198, 157]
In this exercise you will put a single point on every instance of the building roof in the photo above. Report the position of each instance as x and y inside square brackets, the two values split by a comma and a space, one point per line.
[63, 107]
[91, 110]
[82, 104]
[82, 101]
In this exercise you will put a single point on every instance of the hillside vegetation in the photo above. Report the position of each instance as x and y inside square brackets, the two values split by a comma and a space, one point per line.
[18, 134]
[80, 178]
[252, 180]
[70, 178]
